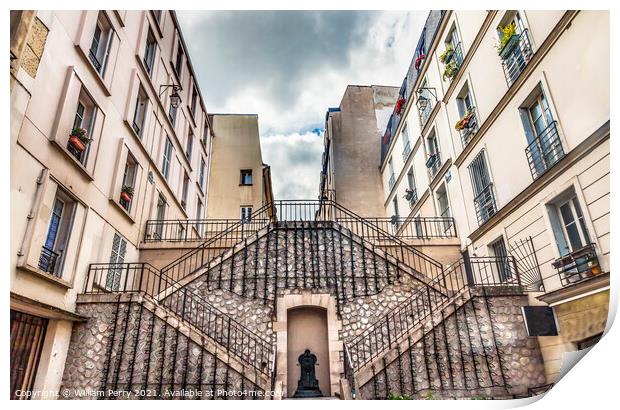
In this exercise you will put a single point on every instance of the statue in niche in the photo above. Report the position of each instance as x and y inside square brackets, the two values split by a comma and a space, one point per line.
[308, 385]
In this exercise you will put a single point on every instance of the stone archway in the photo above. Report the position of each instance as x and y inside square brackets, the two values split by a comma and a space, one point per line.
[315, 310]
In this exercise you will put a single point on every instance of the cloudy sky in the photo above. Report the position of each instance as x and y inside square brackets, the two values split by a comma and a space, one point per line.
[289, 67]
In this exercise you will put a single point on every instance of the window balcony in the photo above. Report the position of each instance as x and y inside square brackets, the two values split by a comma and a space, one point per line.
[411, 195]
[433, 163]
[452, 59]
[406, 151]
[515, 55]
[93, 59]
[578, 266]
[467, 126]
[48, 261]
[392, 181]
[485, 205]
[545, 151]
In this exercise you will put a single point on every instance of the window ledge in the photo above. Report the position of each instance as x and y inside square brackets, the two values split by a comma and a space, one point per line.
[89, 64]
[61, 283]
[246, 184]
[123, 211]
[74, 161]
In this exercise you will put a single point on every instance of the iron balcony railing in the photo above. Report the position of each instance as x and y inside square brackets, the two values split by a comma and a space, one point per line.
[411, 195]
[93, 59]
[196, 230]
[456, 55]
[433, 163]
[406, 151]
[189, 306]
[544, 151]
[137, 128]
[578, 266]
[485, 205]
[418, 308]
[470, 129]
[48, 260]
[412, 228]
[391, 181]
[515, 55]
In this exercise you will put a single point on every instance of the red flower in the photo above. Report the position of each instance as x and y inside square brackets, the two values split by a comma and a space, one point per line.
[399, 104]
[418, 61]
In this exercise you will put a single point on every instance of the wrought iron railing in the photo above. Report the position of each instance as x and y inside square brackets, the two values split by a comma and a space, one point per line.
[515, 55]
[189, 306]
[197, 230]
[544, 151]
[391, 181]
[93, 59]
[470, 128]
[578, 266]
[47, 261]
[485, 205]
[467, 272]
[411, 228]
[434, 163]
[406, 151]
[456, 55]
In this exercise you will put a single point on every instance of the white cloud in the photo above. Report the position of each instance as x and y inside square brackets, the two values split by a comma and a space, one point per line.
[289, 67]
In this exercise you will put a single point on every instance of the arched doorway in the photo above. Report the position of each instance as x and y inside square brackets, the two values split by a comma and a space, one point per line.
[307, 329]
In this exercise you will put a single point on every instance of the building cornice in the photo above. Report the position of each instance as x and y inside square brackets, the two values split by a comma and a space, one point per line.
[588, 287]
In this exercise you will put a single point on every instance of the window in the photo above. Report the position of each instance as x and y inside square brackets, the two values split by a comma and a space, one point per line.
[194, 100]
[433, 163]
[424, 102]
[246, 177]
[184, 190]
[411, 194]
[160, 215]
[392, 177]
[172, 114]
[165, 168]
[58, 232]
[139, 113]
[178, 66]
[516, 51]
[101, 44]
[201, 177]
[502, 261]
[467, 124]
[80, 138]
[189, 145]
[396, 215]
[544, 146]
[406, 143]
[246, 213]
[129, 183]
[484, 200]
[199, 208]
[411, 179]
[117, 258]
[149, 52]
[464, 101]
[443, 204]
[453, 43]
[573, 225]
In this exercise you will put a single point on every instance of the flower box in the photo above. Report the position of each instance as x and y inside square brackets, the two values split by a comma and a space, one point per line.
[399, 105]
[126, 193]
[125, 196]
[509, 46]
[76, 143]
[467, 121]
[419, 61]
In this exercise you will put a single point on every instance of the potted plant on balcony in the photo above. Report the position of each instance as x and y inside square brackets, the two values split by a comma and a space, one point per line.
[394, 220]
[508, 40]
[465, 122]
[450, 70]
[126, 193]
[419, 61]
[446, 55]
[78, 139]
[431, 160]
[409, 194]
[400, 104]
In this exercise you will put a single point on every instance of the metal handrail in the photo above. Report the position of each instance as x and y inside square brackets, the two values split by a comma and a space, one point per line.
[187, 304]
[545, 150]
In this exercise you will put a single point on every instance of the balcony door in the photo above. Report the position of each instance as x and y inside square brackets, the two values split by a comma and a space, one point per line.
[573, 226]
[57, 237]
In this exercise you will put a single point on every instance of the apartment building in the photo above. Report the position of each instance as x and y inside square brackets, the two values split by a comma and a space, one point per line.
[108, 130]
[507, 114]
[349, 172]
[239, 181]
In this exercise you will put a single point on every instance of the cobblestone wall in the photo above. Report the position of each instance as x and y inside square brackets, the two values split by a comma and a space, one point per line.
[474, 352]
[126, 350]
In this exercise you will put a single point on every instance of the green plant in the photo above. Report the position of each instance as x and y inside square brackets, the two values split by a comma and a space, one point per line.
[393, 396]
[430, 396]
[80, 133]
[446, 54]
[507, 33]
[127, 189]
[450, 70]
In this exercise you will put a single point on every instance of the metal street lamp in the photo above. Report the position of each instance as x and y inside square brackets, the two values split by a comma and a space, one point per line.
[175, 98]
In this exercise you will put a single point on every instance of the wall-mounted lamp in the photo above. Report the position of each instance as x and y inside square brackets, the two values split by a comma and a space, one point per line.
[175, 98]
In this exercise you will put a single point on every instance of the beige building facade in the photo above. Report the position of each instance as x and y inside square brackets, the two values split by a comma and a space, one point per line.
[510, 134]
[349, 165]
[108, 130]
[239, 181]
